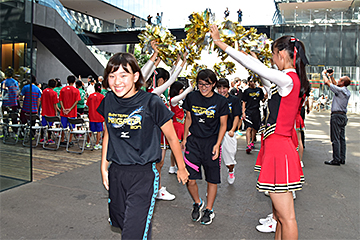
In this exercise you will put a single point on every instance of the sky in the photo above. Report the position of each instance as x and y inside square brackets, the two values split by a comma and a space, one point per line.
[255, 12]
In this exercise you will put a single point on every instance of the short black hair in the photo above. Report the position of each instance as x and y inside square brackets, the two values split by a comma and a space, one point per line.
[223, 82]
[9, 72]
[125, 60]
[78, 83]
[97, 87]
[208, 76]
[52, 83]
[71, 79]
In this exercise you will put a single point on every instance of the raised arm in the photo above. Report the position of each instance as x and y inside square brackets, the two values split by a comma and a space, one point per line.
[181, 96]
[159, 90]
[279, 78]
[151, 65]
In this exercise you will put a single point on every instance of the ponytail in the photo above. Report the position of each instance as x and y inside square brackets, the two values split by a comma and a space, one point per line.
[296, 50]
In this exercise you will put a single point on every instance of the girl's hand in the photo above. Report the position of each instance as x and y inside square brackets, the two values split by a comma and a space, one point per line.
[231, 133]
[154, 45]
[105, 179]
[182, 145]
[183, 176]
[215, 152]
[214, 32]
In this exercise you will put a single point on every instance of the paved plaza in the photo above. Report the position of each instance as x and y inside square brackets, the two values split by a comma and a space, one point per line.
[68, 201]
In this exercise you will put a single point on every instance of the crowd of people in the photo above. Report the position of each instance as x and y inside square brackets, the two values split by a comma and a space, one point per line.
[139, 113]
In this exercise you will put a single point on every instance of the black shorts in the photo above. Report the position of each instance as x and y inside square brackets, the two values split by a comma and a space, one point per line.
[198, 153]
[80, 110]
[132, 192]
[252, 119]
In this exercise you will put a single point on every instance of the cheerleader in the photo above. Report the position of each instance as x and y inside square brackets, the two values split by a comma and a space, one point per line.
[280, 171]
[177, 94]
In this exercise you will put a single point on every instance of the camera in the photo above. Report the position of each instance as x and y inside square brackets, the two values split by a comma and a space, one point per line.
[330, 70]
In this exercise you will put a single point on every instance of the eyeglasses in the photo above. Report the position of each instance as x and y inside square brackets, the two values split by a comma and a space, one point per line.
[207, 85]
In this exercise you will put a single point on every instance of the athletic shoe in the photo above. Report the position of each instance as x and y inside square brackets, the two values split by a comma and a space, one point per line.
[196, 212]
[97, 146]
[248, 149]
[87, 145]
[252, 145]
[50, 141]
[267, 193]
[231, 177]
[42, 140]
[302, 164]
[239, 133]
[173, 170]
[265, 220]
[165, 195]
[294, 195]
[208, 216]
[268, 227]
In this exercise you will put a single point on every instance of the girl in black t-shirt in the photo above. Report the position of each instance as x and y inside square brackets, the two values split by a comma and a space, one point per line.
[206, 116]
[132, 118]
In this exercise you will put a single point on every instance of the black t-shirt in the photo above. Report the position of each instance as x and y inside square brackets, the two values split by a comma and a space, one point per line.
[235, 110]
[237, 93]
[205, 113]
[252, 97]
[134, 125]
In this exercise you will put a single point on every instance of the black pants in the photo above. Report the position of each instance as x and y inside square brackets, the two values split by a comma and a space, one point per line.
[132, 192]
[337, 136]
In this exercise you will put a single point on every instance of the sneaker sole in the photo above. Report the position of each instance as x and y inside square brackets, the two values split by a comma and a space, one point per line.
[212, 216]
[201, 208]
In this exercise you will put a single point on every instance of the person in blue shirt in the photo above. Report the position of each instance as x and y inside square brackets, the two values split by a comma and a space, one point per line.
[9, 92]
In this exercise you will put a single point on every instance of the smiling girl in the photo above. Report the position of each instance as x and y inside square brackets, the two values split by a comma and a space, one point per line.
[206, 116]
[133, 120]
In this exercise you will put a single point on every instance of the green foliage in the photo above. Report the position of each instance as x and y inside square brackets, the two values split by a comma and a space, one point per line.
[141, 58]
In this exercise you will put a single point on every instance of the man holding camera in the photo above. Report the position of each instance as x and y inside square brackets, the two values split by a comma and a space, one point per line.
[338, 118]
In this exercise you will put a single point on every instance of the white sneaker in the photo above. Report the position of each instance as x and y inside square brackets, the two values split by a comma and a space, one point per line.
[87, 145]
[165, 195]
[302, 164]
[294, 195]
[267, 193]
[231, 177]
[97, 146]
[264, 220]
[173, 170]
[268, 227]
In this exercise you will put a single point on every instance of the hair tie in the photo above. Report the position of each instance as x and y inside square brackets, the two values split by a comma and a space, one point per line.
[298, 49]
[154, 79]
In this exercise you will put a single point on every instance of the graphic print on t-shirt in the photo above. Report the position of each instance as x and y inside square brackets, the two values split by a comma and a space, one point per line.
[200, 111]
[133, 120]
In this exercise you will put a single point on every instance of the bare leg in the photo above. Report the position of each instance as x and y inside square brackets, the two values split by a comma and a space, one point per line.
[211, 195]
[230, 167]
[248, 135]
[283, 205]
[98, 136]
[193, 190]
[253, 135]
[301, 147]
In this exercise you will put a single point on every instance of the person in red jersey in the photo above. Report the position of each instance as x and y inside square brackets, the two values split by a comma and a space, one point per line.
[69, 97]
[96, 120]
[49, 100]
